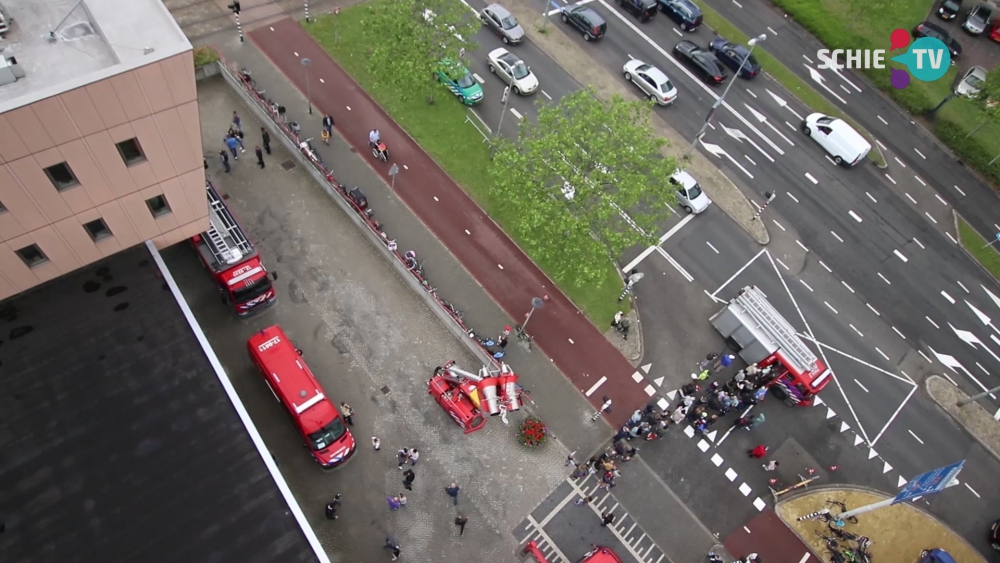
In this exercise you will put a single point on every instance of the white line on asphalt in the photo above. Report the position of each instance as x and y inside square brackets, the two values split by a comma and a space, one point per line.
[921, 352]
[813, 180]
[879, 143]
[662, 239]
[295, 53]
[939, 198]
[854, 216]
[877, 314]
[836, 236]
[882, 353]
[971, 490]
[831, 308]
[849, 288]
[959, 190]
[712, 126]
[516, 113]
[915, 437]
[933, 220]
[749, 91]
[953, 241]
[871, 197]
[748, 530]
[732, 475]
[856, 330]
[899, 333]
[807, 285]
[920, 153]
[807, 58]
[755, 204]
[740, 271]
[900, 255]
[778, 224]
[546, 94]
[899, 161]
[712, 247]
[677, 32]
[861, 386]
[997, 227]
[478, 78]
[986, 371]
[805, 557]
[825, 267]
[547, 539]
[787, 269]
[596, 385]
[802, 246]
[830, 160]
[675, 264]
[948, 297]
[961, 286]
[932, 322]
[790, 126]
[751, 160]
[882, 120]
[795, 199]
[738, 5]
[891, 180]
[856, 359]
[921, 181]
[909, 197]
[919, 244]
[845, 88]
[884, 278]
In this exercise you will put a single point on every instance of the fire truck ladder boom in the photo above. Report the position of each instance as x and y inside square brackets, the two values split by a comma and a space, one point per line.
[224, 233]
[776, 327]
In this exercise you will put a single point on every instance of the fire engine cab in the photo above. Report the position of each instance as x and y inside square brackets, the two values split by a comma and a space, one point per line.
[754, 327]
[313, 414]
[232, 259]
[464, 395]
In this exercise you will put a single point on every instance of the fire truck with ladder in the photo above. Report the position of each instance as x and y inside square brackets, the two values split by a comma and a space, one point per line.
[232, 259]
[751, 325]
[465, 395]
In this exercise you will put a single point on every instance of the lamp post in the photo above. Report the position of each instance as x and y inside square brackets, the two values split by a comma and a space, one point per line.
[753, 42]
[506, 97]
[306, 62]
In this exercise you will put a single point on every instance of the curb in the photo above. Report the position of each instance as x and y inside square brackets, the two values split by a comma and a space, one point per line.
[958, 236]
[954, 410]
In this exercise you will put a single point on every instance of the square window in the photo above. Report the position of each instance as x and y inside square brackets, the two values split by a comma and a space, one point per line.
[61, 176]
[158, 205]
[97, 229]
[131, 151]
[32, 255]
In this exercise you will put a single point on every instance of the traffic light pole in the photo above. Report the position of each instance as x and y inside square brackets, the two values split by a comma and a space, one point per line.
[235, 7]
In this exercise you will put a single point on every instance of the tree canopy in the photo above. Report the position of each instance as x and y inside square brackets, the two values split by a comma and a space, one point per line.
[989, 95]
[588, 173]
[409, 39]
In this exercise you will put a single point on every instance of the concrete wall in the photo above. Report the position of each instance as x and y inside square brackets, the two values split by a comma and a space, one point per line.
[156, 105]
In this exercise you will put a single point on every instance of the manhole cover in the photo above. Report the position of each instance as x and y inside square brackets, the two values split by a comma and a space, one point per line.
[385, 390]
[288, 165]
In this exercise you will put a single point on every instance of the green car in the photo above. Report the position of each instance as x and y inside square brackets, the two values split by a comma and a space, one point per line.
[465, 87]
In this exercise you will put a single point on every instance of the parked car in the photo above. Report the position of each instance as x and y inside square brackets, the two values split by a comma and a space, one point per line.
[995, 31]
[690, 196]
[701, 62]
[503, 23]
[978, 18]
[512, 71]
[651, 80]
[949, 9]
[840, 140]
[589, 22]
[972, 82]
[928, 29]
[684, 12]
[994, 535]
[645, 10]
[733, 55]
[460, 81]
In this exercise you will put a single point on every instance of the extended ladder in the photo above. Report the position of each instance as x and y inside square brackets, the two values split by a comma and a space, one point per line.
[777, 327]
[224, 233]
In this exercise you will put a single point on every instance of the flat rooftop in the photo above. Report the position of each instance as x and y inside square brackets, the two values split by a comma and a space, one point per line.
[117, 440]
[98, 39]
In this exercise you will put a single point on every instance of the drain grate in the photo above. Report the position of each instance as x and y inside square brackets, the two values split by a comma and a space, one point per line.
[288, 165]
[385, 390]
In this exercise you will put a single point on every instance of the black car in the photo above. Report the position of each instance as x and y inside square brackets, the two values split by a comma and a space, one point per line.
[586, 20]
[949, 9]
[642, 9]
[700, 61]
[684, 12]
[928, 29]
[994, 536]
[733, 55]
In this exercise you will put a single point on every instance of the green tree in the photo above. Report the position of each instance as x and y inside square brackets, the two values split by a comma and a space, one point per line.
[587, 173]
[409, 39]
[989, 101]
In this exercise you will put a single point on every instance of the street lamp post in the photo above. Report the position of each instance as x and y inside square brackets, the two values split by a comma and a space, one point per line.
[753, 42]
[306, 62]
[506, 97]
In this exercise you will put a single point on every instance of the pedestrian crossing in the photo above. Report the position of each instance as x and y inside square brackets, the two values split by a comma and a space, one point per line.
[625, 528]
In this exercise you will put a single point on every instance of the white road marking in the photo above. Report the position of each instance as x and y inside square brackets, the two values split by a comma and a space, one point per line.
[478, 78]
[321, 81]
[738, 5]
[778, 224]
[831, 308]
[675, 264]
[924, 184]
[921, 352]
[856, 359]
[915, 437]
[844, 88]
[896, 330]
[836, 236]
[662, 240]
[961, 286]
[807, 285]
[436, 199]
[790, 126]
[856, 330]
[546, 94]
[948, 297]
[783, 265]
[295, 53]
[751, 160]
[922, 247]
[882, 353]
[932, 322]
[348, 108]
[986, 371]
[879, 143]
[899, 161]
[771, 30]
[952, 238]
[891, 180]
[849, 288]
[795, 199]
[971, 490]
[877, 314]
[920, 153]
[895, 414]
[677, 32]
[939, 198]
[516, 113]
[854, 216]
[959, 190]
[630, 57]
[909, 197]
[749, 91]
[467, 232]
[712, 126]
[861, 386]
[830, 160]
[807, 58]
[884, 278]
[825, 267]
[405, 167]
[596, 386]
[882, 120]
[802, 246]
[900, 256]
[813, 180]
[933, 220]
[871, 197]
[712, 247]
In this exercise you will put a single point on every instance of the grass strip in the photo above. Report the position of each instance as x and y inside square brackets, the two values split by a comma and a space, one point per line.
[441, 130]
[976, 245]
[204, 55]
[784, 76]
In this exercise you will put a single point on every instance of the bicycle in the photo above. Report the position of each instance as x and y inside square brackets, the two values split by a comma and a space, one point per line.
[843, 509]
[606, 407]
[451, 309]
[524, 337]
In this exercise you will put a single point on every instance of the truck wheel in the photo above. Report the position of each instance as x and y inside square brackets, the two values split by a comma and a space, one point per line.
[779, 393]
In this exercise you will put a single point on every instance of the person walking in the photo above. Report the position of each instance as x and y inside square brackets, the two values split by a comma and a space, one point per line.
[583, 501]
[571, 459]
[225, 160]
[239, 141]
[607, 518]
[408, 477]
[452, 491]
[232, 144]
[237, 122]
[724, 361]
[771, 466]
[390, 544]
[402, 500]
[460, 521]
[328, 124]
[413, 457]
[376, 443]
[758, 452]
[260, 157]
[331, 508]
[348, 412]
[401, 456]
[266, 140]
[393, 503]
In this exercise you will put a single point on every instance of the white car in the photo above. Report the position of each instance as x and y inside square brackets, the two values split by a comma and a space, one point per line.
[512, 71]
[651, 80]
[972, 82]
[689, 194]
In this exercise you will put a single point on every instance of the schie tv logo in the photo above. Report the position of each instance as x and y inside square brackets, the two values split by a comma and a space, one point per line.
[927, 59]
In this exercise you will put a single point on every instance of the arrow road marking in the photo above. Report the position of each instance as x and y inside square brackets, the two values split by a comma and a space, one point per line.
[982, 316]
[784, 104]
[818, 79]
[763, 119]
[719, 152]
[740, 136]
[954, 365]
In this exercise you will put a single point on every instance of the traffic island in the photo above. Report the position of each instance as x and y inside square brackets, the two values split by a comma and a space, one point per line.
[898, 532]
[973, 417]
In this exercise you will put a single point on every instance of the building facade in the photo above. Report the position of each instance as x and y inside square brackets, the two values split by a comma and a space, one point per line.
[98, 154]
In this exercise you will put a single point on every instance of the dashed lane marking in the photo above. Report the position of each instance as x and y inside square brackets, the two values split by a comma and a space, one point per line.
[918, 244]
[861, 386]
[738, 5]
[915, 437]
[877, 314]
[516, 113]
[921, 352]
[948, 297]
[712, 247]
[782, 265]
[811, 179]
[891, 180]
[971, 490]
[879, 143]
[932, 322]
[920, 153]
[884, 278]
[953, 241]
[795, 199]
[596, 385]
[884, 122]
[750, 159]
[802, 246]
[831, 307]
[830, 160]
[899, 161]
[807, 58]
[933, 220]
[959, 190]
[546, 94]
[749, 91]
[900, 256]
[825, 267]
[881, 353]
[849, 288]
[836, 236]
[778, 224]
[856, 330]
[321, 81]
[478, 78]
[960, 284]
[917, 178]
[986, 371]
[871, 197]
[896, 330]
[805, 284]
[854, 216]
[939, 198]
[773, 32]
[790, 126]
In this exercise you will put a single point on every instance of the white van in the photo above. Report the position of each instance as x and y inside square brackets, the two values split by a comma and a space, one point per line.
[845, 145]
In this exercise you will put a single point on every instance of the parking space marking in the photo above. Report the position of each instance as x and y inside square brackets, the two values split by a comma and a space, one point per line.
[546, 539]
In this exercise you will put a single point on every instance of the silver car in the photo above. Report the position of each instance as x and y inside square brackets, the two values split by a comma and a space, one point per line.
[650, 80]
[972, 82]
[978, 18]
[503, 23]
[690, 196]
[512, 71]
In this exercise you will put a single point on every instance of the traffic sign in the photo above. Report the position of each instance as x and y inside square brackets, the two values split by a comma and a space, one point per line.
[929, 483]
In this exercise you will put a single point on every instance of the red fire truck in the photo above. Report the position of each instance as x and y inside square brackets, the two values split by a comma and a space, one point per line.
[753, 326]
[232, 259]
[465, 395]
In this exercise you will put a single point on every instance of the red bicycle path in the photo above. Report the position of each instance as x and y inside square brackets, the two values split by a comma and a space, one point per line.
[577, 348]
[768, 536]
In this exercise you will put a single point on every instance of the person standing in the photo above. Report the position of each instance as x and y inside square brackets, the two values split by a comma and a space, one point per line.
[571, 459]
[328, 124]
[413, 457]
[724, 361]
[408, 477]
[758, 452]
[401, 456]
[331, 508]
[452, 491]
[460, 521]
[771, 466]
[260, 157]
[607, 518]
[376, 443]
[237, 122]
[348, 412]
[225, 160]
[239, 140]
[393, 503]
[402, 500]
[266, 139]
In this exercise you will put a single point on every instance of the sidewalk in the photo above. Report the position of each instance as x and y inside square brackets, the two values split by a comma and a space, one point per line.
[576, 347]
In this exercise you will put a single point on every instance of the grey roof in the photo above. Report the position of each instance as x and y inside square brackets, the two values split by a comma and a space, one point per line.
[117, 441]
